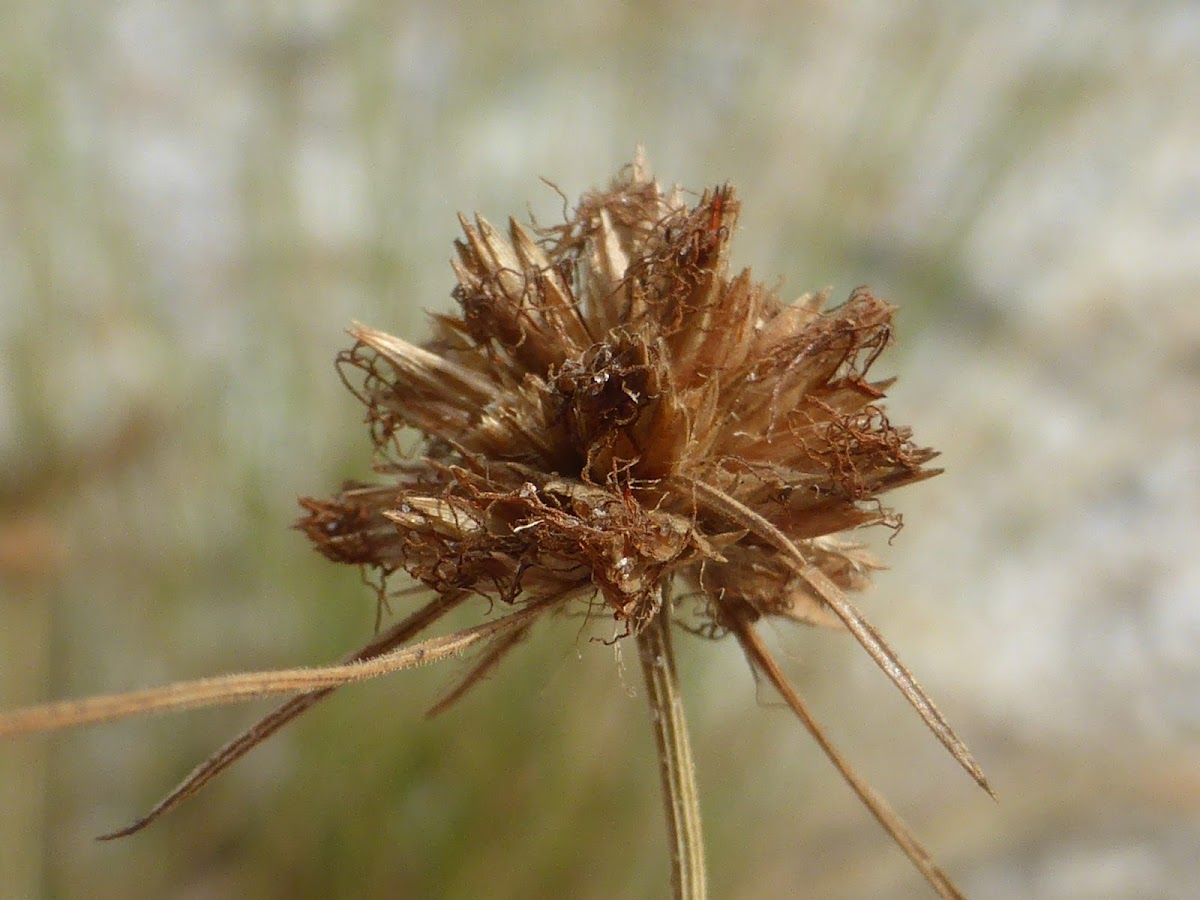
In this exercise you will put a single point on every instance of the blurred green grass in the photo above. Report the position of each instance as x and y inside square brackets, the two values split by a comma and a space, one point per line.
[195, 202]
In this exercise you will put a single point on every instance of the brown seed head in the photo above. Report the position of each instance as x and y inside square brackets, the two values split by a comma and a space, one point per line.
[595, 373]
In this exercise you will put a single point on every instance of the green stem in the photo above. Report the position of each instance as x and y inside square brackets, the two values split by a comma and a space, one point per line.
[680, 796]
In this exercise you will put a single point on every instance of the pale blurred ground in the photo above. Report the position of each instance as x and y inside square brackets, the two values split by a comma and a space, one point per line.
[195, 199]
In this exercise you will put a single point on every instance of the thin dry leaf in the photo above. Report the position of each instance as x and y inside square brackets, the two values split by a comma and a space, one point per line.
[863, 631]
[762, 660]
[224, 689]
[287, 712]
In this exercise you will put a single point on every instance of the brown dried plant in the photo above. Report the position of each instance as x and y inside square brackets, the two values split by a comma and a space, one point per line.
[610, 422]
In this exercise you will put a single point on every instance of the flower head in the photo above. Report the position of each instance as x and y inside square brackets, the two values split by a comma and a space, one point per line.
[613, 412]
[595, 373]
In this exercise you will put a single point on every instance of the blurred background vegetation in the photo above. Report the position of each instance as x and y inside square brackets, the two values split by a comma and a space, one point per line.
[196, 199]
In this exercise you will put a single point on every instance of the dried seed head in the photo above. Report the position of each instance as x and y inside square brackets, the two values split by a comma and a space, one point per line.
[595, 372]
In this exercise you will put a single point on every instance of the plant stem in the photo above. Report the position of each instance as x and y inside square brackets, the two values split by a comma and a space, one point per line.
[680, 796]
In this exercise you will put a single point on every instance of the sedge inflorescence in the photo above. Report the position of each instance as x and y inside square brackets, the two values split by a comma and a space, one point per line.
[594, 375]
